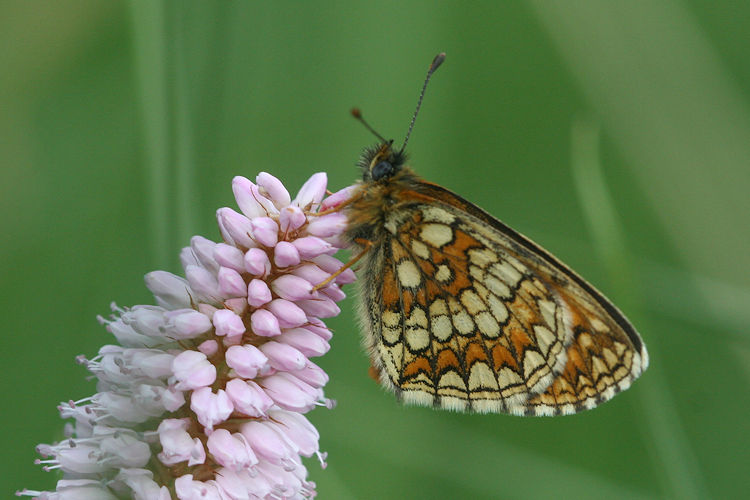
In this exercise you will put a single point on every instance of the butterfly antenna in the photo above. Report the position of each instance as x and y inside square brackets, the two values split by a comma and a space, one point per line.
[433, 67]
[356, 113]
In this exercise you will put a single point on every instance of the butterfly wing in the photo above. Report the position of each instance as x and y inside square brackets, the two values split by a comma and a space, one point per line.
[464, 313]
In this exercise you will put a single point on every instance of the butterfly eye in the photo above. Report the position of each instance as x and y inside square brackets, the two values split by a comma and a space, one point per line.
[381, 170]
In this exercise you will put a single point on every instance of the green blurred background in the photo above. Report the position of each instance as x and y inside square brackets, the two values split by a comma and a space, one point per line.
[616, 134]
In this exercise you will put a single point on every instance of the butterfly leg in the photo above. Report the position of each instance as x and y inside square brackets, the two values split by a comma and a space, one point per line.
[365, 244]
[337, 208]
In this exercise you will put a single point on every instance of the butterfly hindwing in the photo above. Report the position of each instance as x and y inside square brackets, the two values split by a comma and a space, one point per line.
[464, 313]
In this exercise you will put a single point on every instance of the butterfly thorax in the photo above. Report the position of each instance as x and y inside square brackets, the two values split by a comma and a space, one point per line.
[386, 188]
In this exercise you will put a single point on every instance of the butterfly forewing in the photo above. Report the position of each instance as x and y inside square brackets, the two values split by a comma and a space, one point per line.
[464, 313]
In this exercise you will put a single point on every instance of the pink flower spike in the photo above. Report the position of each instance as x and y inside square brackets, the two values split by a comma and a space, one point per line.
[203, 282]
[268, 442]
[258, 293]
[237, 226]
[321, 307]
[178, 445]
[285, 255]
[292, 287]
[288, 313]
[170, 291]
[311, 273]
[203, 250]
[274, 188]
[228, 323]
[299, 430]
[192, 370]
[209, 347]
[244, 484]
[231, 283]
[336, 241]
[188, 489]
[334, 293]
[337, 198]
[265, 231]
[231, 450]
[291, 218]
[205, 309]
[312, 374]
[73, 489]
[319, 328]
[312, 191]
[290, 392]
[124, 449]
[210, 408]
[188, 324]
[227, 349]
[311, 246]
[246, 360]
[252, 198]
[229, 256]
[328, 225]
[237, 306]
[331, 264]
[141, 481]
[248, 398]
[152, 363]
[257, 262]
[282, 477]
[283, 357]
[307, 342]
[264, 323]
[245, 192]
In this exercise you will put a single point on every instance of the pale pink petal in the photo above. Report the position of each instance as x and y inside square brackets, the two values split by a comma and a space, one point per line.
[312, 191]
[274, 188]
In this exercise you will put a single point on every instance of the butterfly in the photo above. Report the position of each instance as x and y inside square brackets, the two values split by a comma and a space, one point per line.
[464, 313]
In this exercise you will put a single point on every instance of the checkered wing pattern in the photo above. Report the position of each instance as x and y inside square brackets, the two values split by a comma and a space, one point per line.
[466, 314]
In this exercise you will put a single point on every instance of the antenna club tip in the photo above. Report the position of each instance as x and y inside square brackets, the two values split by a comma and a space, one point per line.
[437, 61]
[356, 113]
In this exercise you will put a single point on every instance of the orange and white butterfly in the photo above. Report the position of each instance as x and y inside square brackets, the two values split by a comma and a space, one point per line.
[462, 312]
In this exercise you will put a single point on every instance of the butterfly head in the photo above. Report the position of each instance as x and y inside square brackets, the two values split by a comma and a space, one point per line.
[381, 162]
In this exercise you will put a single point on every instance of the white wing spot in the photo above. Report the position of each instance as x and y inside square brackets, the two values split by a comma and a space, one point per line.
[391, 318]
[435, 214]
[487, 324]
[482, 257]
[506, 272]
[547, 307]
[481, 376]
[472, 302]
[463, 323]
[498, 309]
[417, 318]
[497, 287]
[544, 338]
[441, 327]
[453, 380]
[436, 235]
[531, 361]
[437, 307]
[417, 338]
[443, 273]
[408, 274]
[599, 325]
[420, 249]
[391, 335]
[507, 377]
